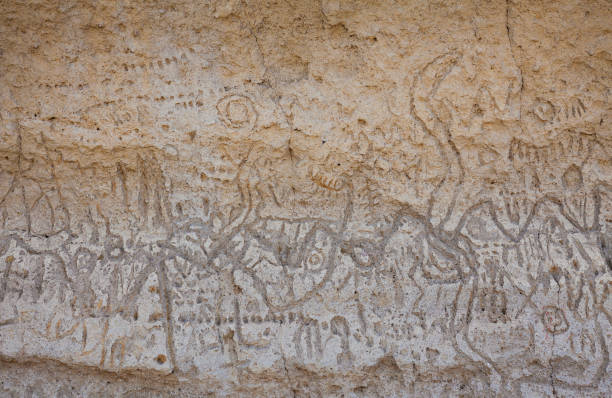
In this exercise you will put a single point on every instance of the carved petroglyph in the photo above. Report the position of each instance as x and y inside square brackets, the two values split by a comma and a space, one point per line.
[237, 112]
[301, 194]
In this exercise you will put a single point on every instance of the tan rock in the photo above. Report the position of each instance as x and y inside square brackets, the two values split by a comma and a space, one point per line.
[336, 198]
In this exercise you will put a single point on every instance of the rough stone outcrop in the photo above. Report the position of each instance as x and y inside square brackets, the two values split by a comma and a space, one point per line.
[305, 198]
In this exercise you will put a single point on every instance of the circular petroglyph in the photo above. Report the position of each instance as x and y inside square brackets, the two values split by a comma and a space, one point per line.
[545, 111]
[572, 178]
[237, 111]
[315, 260]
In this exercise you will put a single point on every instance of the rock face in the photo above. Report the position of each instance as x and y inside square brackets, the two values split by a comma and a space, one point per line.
[305, 198]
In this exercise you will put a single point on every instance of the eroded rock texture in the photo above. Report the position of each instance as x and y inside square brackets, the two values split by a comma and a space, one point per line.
[307, 198]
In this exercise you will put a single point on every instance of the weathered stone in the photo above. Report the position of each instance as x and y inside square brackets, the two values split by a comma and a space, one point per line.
[307, 198]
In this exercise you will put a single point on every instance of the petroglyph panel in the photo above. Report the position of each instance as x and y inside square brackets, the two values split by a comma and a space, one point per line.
[305, 198]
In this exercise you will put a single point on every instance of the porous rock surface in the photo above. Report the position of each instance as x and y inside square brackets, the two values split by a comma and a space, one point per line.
[305, 198]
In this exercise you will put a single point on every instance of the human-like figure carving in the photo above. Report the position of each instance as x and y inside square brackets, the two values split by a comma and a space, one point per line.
[289, 261]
